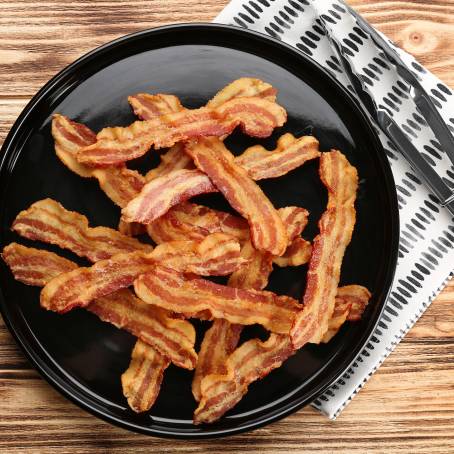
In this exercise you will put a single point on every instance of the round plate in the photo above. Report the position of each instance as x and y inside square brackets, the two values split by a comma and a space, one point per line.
[83, 357]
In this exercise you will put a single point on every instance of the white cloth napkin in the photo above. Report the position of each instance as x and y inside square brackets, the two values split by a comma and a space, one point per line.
[426, 250]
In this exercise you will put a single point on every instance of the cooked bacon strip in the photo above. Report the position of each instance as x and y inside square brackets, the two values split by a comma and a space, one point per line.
[336, 227]
[244, 87]
[142, 380]
[174, 159]
[289, 154]
[149, 106]
[254, 274]
[131, 228]
[33, 266]
[119, 183]
[222, 338]
[159, 195]
[172, 337]
[256, 116]
[191, 221]
[48, 221]
[195, 222]
[217, 254]
[170, 290]
[248, 363]
[354, 296]
[297, 253]
[162, 193]
[255, 359]
[267, 229]
[219, 342]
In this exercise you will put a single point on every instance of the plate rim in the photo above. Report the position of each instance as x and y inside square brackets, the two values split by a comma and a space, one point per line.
[72, 391]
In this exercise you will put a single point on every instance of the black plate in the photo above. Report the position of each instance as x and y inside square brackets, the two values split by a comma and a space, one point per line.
[83, 357]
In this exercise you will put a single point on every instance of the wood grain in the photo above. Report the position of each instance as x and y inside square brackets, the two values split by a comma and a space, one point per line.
[407, 406]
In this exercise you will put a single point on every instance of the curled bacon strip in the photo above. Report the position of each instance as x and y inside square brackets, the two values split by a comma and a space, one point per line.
[255, 273]
[255, 359]
[142, 380]
[217, 254]
[119, 183]
[336, 227]
[188, 220]
[33, 266]
[174, 338]
[267, 229]
[175, 159]
[149, 106]
[48, 221]
[131, 228]
[257, 117]
[195, 222]
[221, 339]
[354, 296]
[170, 290]
[297, 253]
[244, 87]
[159, 195]
[252, 275]
[219, 342]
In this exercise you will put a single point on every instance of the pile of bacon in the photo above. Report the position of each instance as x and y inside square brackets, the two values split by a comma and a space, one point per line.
[153, 291]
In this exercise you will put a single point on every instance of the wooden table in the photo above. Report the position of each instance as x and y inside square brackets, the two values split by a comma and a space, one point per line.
[407, 406]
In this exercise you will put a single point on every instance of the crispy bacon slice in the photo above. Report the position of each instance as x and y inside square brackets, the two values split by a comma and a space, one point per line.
[191, 221]
[48, 221]
[255, 359]
[219, 342]
[244, 87]
[148, 106]
[221, 339]
[170, 290]
[167, 190]
[256, 116]
[289, 154]
[142, 380]
[162, 193]
[336, 227]
[253, 275]
[195, 222]
[131, 228]
[267, 229]
[248, 363]
[174, 159]
[297, 253]
[354, 296]
[217, 254]
[34, 266]
[119, 183]
[172, 337]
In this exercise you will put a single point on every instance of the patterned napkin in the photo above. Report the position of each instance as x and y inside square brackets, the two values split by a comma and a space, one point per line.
[426, 249]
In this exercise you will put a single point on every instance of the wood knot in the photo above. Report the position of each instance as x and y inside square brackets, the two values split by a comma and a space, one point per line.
[420, 37]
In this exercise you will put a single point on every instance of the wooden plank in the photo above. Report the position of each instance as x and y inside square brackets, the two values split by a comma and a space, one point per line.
[407, 406]
[41, 38]
[387, 415]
